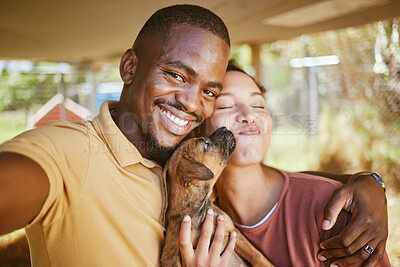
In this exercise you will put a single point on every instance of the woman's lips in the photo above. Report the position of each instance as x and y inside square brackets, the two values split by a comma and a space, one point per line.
[249, 130]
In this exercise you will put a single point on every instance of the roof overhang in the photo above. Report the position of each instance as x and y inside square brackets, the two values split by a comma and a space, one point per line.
[91, 31]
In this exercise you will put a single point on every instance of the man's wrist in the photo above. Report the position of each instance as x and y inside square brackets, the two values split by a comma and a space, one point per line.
[371, 174]
[379, 180]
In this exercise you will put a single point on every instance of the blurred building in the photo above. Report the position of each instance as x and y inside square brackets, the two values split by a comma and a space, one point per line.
[59, 108]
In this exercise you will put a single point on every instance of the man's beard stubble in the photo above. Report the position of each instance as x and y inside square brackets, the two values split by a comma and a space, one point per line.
[154, 149]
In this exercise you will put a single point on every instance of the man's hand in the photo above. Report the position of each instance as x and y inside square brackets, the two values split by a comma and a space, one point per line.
[206, 255]
[365, 199]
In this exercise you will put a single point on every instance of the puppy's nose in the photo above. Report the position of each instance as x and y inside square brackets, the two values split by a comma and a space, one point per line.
[224, 138]
[219, 134]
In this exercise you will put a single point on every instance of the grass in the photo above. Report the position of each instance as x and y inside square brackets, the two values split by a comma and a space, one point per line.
[12, 123]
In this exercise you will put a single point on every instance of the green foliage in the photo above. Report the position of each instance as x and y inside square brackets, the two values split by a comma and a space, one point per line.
[22, 90]
[360, 117]
[359, 109]
[242, 55]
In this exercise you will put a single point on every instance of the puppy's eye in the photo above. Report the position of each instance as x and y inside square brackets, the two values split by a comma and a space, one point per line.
[206, 145]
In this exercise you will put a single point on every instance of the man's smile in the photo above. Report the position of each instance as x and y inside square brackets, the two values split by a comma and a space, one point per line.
[176, 121]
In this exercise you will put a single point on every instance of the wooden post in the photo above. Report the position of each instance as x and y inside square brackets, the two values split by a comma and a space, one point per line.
[63, 90]
[256, 61]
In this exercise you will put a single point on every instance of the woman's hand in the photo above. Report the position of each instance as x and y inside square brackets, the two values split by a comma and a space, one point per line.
[204, 254]
[365, 199]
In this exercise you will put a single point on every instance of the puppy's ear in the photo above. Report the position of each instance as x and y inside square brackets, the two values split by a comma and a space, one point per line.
[189, 170]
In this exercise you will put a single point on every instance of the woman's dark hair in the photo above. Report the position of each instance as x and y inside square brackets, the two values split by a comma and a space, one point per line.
[233, 66]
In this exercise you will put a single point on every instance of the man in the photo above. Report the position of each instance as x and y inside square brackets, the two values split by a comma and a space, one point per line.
[91, 194]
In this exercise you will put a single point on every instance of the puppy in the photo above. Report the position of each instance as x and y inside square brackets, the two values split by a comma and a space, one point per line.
[191, 173]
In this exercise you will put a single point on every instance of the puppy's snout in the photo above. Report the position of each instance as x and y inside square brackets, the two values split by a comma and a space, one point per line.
[224, 138]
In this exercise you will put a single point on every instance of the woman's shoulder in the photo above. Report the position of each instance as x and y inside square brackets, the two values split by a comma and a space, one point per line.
[309, 181]
[306, 190]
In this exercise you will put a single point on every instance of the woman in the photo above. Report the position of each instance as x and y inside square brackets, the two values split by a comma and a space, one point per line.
[280, 212]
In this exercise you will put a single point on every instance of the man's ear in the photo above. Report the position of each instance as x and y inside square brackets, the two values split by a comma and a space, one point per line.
[128, 65]
[189, 170]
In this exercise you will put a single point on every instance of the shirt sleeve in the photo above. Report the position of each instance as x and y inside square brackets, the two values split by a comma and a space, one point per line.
[60, 151]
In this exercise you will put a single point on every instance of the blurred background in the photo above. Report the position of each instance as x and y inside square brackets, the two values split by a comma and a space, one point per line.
[331, 69]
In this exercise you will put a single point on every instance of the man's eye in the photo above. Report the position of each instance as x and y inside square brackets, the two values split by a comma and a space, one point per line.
[177, 77]
[209, 93]
[224, 107]
[260, 107]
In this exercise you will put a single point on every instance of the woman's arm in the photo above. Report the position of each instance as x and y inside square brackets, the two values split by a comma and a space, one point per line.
[206, 254]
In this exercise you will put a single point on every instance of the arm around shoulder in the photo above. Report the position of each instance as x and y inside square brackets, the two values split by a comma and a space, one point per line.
[343, 178]
[24, 187]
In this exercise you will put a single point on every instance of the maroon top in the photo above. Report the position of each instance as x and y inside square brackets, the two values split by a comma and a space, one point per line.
[292, 234]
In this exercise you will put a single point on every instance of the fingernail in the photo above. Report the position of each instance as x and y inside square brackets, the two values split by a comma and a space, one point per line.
[220, 217]
[325, 224]
[321, 258]
[210, 211]
[234, 233]
[334, 265]
[186, 218]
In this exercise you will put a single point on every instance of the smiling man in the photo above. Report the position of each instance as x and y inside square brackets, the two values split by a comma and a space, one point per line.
[171, 88]
[92, 193]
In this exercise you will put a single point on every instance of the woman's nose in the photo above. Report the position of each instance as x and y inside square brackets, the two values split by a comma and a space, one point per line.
[246, 115]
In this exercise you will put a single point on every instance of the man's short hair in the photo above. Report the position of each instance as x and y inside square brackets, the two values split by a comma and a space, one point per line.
[164, 19]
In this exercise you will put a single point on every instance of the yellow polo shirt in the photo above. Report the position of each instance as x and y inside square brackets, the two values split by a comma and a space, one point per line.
[106, 202]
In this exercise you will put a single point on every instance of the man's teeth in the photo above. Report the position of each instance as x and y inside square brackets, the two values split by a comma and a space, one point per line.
[176, 120]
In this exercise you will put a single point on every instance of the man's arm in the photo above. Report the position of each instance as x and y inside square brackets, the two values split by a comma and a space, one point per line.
[365, 199]
[343, 178]
[24, 187]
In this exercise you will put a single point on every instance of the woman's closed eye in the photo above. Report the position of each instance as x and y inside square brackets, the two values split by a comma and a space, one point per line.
[224, 107]
[258, 103]
[224, 102]
[258, 106]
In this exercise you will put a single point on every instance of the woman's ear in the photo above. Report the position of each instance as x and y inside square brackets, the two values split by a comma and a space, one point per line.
[128, 65]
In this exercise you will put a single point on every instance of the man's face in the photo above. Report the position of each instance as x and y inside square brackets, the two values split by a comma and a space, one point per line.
[175, 85]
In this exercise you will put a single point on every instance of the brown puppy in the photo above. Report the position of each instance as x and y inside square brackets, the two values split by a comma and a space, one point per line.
[191, 174]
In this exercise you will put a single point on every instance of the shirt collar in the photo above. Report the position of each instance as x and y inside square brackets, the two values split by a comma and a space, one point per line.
[122, 149]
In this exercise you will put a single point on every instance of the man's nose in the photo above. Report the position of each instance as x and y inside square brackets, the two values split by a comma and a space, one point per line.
[189, 99]
[247, 115]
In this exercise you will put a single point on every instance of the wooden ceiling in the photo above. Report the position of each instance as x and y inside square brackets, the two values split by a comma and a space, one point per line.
[89, 31]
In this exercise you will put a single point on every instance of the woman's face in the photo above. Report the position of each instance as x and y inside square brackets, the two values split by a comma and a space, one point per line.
[241, 108]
